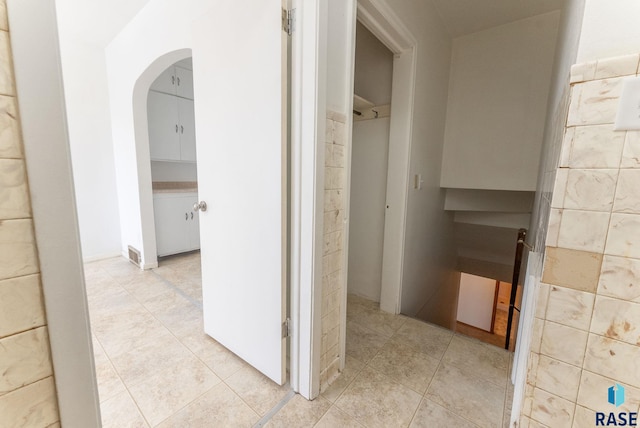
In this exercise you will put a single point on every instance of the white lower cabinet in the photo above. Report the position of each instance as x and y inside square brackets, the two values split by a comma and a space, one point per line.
[177, 225]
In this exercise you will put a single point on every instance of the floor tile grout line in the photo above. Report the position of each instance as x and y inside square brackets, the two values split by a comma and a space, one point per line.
[275, 409]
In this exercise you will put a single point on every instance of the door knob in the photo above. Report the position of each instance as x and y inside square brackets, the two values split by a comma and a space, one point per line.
[200, 206]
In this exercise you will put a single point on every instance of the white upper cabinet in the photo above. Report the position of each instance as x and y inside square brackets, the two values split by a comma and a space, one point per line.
[164, 129]
[175, 81]
[172, 135]
[184, 83]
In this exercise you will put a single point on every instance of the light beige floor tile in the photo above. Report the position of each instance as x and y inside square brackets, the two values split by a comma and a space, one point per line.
[300, 413]
[431, 415]
[405, 365]
[426, 338]
[162, 395]
[109, 383]
[223, 362]
[147, 288]
[141, 331]
[258, 391]
[486, 361]
[335, 418]
[470, 397]
[351, 369]
[381, 322]
[182, 321]
[146, 361]
[363, 343]
[376, 401]
[121, 411]
[352, 299]
[219, 407]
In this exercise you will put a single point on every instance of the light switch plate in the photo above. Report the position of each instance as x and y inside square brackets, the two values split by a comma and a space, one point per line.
[628, 116]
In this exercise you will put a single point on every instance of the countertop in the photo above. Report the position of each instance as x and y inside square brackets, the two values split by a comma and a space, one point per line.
[174, 186]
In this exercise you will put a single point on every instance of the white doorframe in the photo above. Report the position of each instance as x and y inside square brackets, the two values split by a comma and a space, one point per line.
[143, 153]
[36, 55]
[378, 17]
[308, 104]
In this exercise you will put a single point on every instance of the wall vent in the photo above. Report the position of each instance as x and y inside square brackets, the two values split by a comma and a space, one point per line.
[134, 256]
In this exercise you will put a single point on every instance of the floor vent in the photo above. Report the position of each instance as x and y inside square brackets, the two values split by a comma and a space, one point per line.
[134, 256]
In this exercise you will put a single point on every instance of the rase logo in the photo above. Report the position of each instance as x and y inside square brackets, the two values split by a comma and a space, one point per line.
[615, 396]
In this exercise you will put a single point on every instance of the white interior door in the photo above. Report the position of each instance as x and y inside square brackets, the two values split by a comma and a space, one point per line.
[240, 82]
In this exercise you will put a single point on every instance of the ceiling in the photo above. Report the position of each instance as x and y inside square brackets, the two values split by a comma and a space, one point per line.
[99, 21]
[469, 16]
[96, 21]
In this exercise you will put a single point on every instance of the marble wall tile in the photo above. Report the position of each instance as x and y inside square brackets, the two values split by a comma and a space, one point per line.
[590, 189]
[333, 200]
[328, 131]
[595, 102]
[566, 147]
[559, 188]
[617, 319]
[34, 405]
[536, 335]
[541, 300]
[14, 193]
[551, 410]
[614, 359]
[333, 221]
[7, 86]
[624, 235]
[570, 307]
[631, 151]
[21, 305]
[334, 155]
[628, 192]
[596, 147]
[583, 72]
[24, 359]
[620, 278]
[553, 229]
[332, 242]
[336, 116]
[17, 249]
[10, 147]
[333, 178]
[339, 133]
[571, 268]
[593, 389]
[563, 343]
[332, 262]
[558, 378]
[4, 25]
[583, 417]
[583, 230]
[532, 368]
[617, 66]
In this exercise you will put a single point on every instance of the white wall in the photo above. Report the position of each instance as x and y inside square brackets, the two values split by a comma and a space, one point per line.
[89, 123]
[373, 68]
[610, 28]
[370, 151]
[429, 281]
[497, 103]
[475, 302]
[338, 55]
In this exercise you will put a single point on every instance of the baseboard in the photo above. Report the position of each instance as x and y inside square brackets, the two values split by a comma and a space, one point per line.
[101, 257]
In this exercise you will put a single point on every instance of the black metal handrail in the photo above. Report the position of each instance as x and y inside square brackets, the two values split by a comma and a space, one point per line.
[522, 235]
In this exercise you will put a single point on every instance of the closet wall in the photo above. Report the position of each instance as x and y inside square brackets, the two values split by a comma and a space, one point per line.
[369, 156]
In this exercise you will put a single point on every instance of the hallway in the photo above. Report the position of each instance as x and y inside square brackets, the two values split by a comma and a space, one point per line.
[155, 367]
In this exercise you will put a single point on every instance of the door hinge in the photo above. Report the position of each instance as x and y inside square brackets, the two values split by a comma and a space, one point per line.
[286, 328]
[288, 20]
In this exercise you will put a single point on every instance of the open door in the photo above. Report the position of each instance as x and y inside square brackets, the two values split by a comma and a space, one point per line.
[239, 68]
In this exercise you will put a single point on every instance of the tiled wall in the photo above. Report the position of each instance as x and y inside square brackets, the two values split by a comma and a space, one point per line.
[333, 254]
[586, 334]
[27, 390]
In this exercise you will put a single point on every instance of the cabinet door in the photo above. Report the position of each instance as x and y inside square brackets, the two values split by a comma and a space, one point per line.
[164, 136]
[184, 83]
[187, 130]
[166, 82]
[172, 219]
[194, 229]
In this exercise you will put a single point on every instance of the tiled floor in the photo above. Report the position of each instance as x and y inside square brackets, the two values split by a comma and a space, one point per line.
[155, 367]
